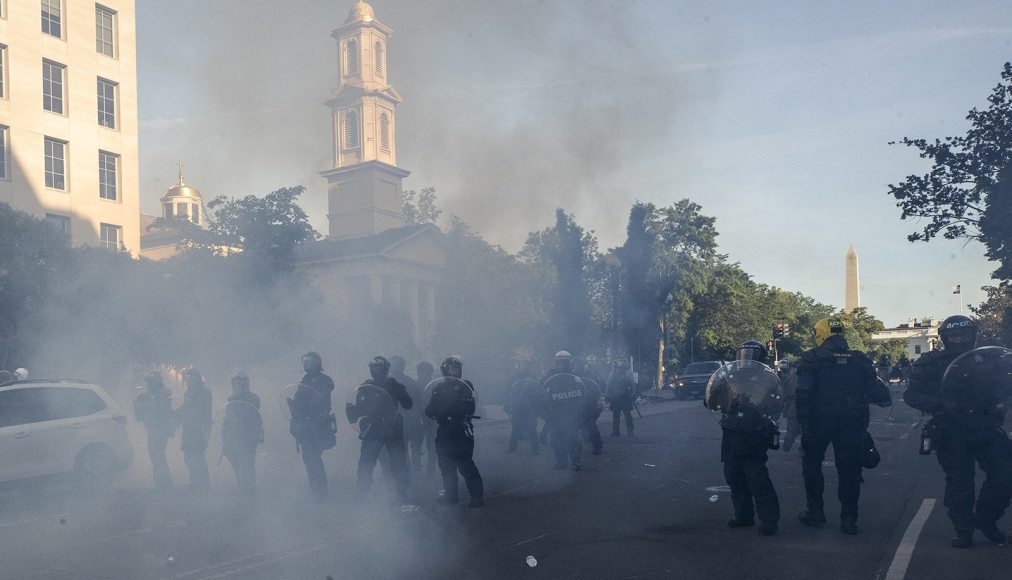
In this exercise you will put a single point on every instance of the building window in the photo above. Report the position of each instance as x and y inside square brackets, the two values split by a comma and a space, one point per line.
[168, 210]
[108, 170]
[181, 211]
[4, 163]
[56, 170]
[111, 236]
[3, 70]
[52, 17]
[378, 55]
[105, 31]
[195, 214]
[53, 86]
[917, 349]
[107, 103]
[351, 57]
[384, 131]
[60, 223]
[351, 130]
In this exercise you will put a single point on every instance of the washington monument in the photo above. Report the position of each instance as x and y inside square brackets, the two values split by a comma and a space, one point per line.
[852, 298]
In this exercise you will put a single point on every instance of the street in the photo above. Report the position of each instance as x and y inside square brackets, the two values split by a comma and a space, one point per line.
[651, 506]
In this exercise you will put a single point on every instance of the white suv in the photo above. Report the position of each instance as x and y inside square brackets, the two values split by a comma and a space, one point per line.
[60, 427]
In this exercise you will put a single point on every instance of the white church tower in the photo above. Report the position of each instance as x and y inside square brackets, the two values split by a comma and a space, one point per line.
[364, 187]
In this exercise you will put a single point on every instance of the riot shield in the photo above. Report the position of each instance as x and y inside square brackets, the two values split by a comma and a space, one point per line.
[525, 396]
[978, 379]
[369, 401]
[463, 397]
[744, 395]
[566, 395]
[285, 399]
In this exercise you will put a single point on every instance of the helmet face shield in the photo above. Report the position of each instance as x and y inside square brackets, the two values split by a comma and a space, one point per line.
[958, 333]
[752, 351]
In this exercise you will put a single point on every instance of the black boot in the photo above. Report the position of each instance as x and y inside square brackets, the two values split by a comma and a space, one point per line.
[812, 518]
[740, 523]
[992, 533]
[849, 526]
[963, 539]
[768, 529]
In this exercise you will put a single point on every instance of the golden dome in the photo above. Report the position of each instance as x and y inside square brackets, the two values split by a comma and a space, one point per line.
[360, 12]
[181, 189]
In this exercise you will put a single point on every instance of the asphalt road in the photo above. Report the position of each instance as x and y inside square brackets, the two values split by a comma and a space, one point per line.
[651, 506]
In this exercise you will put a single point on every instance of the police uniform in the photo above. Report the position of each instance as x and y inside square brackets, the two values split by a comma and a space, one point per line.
[964, 434]
[564, 411]
[242, 430]
[452, 406]
[153, 408]
[311, 425]
[195, 418]
[832, 407]
[384, 429]
[524, 404]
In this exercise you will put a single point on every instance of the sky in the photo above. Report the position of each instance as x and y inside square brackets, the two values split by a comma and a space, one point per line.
[775, 116]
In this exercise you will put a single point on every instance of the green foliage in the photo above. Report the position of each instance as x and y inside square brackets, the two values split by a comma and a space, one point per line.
[995, 316]
[967, 193]
[265, 230]
[859, 328]
[420, 206]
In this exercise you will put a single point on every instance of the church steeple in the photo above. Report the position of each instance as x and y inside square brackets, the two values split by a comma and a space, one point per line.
[365, 183]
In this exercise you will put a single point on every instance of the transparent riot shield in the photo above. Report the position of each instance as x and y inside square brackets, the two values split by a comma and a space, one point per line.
[368, 400]
[285, 398]
[566, 395]
[525, 396]
[978, 380]
[744, 395]
[464, 397]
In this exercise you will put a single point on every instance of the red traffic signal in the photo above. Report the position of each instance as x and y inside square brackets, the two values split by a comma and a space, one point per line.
[778, 331]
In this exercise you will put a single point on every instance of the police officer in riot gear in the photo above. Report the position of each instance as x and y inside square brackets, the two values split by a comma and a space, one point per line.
[620, 393]
[425, 372]
[153, 408]
[242, 430]
[525, 399]
[835, 385]
[195, 417]
[565, 408]
[592, 407]
[312, 423]
[452, 407]
[746, 438]
[414, 421]
[382, 427]
[964, 434]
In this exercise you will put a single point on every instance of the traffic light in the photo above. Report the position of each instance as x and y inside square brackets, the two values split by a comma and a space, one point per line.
[787, 330]
[778, 331]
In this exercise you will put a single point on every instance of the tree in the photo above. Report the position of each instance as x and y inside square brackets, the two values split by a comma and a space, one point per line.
[265, 231]
[968, 191]
[571, 254]
[995, 316]
[420, 207]
[860, 326]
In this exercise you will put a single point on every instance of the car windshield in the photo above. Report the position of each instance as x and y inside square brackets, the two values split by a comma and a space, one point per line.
[701, 368]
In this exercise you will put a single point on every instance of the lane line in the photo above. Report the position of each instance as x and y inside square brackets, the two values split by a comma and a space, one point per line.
[901, 561]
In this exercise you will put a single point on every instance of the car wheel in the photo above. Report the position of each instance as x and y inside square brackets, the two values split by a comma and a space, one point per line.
[94, 469]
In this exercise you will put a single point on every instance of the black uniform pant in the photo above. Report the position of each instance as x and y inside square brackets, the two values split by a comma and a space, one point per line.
[959, 454]
[591, 432]
[157, 443]
[414, 439]
[848, 450]
[455, 448]
[616, 419]
[525, 425]
[565, 441]
[397, 456]
[430, 449]
[744, 456]
[243, 462]
[312, 458]
[195, 457]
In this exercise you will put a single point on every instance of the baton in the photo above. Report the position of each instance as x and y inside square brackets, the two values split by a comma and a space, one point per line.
[637, 407]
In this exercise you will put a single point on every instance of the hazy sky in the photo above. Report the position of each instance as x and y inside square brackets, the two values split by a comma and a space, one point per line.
[773, 115]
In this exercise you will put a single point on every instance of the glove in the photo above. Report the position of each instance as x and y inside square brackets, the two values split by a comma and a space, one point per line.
[351, 412]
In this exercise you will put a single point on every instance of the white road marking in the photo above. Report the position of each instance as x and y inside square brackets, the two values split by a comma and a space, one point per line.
[898, 569]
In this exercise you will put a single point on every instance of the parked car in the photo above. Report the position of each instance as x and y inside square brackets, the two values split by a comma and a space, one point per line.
[52, 428]
[691, 383]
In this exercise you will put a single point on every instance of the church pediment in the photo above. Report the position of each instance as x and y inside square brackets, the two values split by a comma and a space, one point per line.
[419, 244]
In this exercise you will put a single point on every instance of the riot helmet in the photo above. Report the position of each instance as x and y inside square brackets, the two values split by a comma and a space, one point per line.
[453, 366]
[424, 370]
[312, 362]
[752, 350]
[193, 378]
[563, 361]
[579, 365]
[153, 380]
[958, 334]
[397, 365]
[827, 327]
[379, 368]
[21, 374]
[785, 365]
[240, 382]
